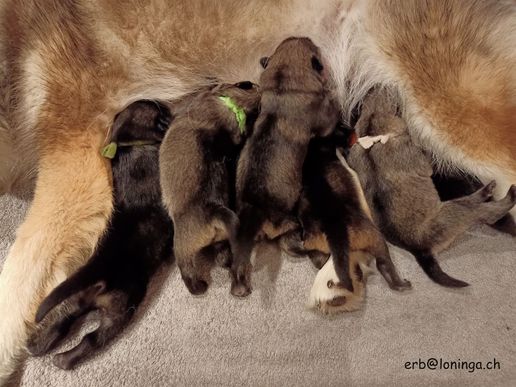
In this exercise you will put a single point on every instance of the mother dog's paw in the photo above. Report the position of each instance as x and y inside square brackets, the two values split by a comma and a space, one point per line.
[329, 297]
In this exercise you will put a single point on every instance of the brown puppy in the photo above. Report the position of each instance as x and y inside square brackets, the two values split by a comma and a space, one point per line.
[397, 178]
[335, 219]
[197, 164]
[295, 106]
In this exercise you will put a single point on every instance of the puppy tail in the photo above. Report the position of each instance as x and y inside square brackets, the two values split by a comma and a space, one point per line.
[228, 221]
[432, 269]
[338, 241]
[81, 280]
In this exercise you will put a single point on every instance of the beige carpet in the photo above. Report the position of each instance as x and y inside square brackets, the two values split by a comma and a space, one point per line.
[270, 339]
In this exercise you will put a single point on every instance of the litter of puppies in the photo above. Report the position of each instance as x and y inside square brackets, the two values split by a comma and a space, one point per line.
[241, 163]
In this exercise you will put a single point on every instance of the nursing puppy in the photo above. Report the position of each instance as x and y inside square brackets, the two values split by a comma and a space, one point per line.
[198, 164]
[138, 241]
[336, 220]
[397, 178]
[295, 106]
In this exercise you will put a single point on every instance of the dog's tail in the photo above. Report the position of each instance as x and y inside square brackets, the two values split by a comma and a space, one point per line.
[81, 280]
[251, 220]
[432, 269]
[228, 221]
[338, 241]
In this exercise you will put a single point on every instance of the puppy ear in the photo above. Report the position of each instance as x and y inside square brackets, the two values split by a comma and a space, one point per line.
[264, 61]
[316, 64]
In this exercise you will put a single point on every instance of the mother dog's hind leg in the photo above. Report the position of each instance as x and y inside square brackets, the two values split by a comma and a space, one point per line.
[71, 207]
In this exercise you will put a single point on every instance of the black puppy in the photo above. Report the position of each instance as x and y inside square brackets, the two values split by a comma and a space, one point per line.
[335, 220]
[139, 239]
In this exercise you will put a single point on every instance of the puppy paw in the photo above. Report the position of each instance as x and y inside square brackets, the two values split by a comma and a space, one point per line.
[488, 191]
[196, 286]
[63, 362]
[401, 285]
[329, 297]
[240, 290]
[241, 285]
[40, 344]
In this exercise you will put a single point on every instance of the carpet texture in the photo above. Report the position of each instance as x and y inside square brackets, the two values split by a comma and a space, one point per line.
[270, 339]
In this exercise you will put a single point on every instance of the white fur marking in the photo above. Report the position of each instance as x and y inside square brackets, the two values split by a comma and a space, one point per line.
[356, 182]
[368, 141]
[321, 294]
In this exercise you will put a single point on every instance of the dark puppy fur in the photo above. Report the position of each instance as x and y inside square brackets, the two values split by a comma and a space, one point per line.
[198, 163]
[397, 179]
[336, 220]
[295, 106]
[139, 240]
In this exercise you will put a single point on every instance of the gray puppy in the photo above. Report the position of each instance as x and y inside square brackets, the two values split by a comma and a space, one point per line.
[295, 107]
[197, 165]
[396, 176]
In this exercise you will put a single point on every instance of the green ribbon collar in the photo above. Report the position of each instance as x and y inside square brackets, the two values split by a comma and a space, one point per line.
[239, 112]
[109, 151]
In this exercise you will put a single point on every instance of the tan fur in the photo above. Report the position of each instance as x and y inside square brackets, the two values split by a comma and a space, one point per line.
[67, 217]
[316, 241]
[454, 72]
[466, 113]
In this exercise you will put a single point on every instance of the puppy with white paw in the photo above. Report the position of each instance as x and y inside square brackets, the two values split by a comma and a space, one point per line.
[335, 220]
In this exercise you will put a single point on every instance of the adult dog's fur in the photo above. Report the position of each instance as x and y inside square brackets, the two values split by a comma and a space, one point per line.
[139, 240]
[71, 65]
[198, 166]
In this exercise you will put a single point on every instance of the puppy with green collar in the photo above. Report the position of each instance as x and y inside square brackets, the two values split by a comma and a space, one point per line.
[197, 166]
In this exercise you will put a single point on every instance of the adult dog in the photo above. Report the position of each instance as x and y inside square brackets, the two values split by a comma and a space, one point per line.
[69, 65]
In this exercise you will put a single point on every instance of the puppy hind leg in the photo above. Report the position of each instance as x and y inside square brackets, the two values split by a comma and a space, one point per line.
[457, 216]
[71, 206]
[386, 267]
[61, 321]
[251, 221]
[505, 179]
[364, 236]
[195, 284]
[493, 211]
[481, 195]
[115, 315]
